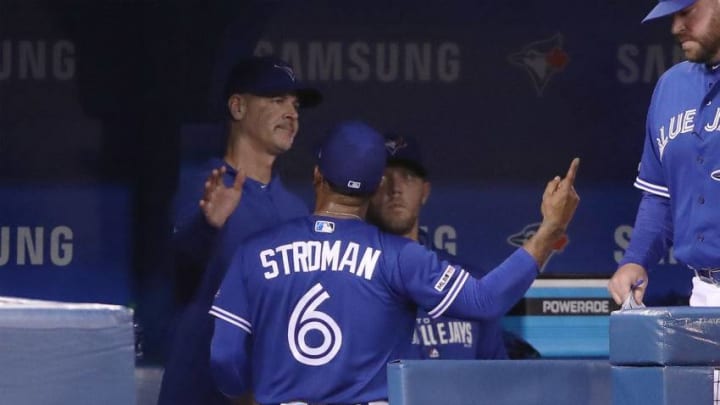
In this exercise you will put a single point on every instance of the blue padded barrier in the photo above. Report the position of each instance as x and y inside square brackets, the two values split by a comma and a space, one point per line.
[662, 385]
[61, 353]
[666, 336]
[499, 382]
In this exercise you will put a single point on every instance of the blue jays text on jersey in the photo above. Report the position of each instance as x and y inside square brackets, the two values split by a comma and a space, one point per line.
[681, 158]
[327, 310]
[683, 123]
[442, 333]
[450, 338]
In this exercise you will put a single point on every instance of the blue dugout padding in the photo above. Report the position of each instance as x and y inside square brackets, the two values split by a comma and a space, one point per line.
[666, 336]
[662, 385]
[665, 355]
[499, 382]
[63, 353]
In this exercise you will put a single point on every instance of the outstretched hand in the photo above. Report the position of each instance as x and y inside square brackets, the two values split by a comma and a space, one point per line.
[219, 201]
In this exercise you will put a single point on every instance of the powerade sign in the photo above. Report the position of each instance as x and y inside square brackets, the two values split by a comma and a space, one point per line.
[564, 306]
[65, 243]
[564, 317]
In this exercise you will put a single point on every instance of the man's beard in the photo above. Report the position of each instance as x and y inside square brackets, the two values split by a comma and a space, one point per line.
[391, 224]
[709, 44]
[398, 226]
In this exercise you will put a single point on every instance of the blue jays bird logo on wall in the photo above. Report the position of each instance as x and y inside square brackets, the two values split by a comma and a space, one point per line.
[395, 145]
[542, 60]
[519, 239]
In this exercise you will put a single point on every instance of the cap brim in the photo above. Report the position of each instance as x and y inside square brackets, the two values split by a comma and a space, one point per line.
[668, 7]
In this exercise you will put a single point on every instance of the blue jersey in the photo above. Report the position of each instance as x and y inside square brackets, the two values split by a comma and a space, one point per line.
[314, 310]
[447, 338]
[681, 159]
[194, 240]
[187, 378]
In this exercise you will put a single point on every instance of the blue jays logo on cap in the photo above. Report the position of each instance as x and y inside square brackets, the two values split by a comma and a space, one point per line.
[405, 151]
[324, 226]
[269, 76]
[287, 69]
[394, 146]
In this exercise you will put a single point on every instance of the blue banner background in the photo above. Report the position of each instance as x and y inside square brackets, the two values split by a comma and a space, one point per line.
[88, 259]
[501, 96]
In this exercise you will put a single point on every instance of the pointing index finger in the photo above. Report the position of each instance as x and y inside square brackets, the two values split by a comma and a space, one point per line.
[572, 171]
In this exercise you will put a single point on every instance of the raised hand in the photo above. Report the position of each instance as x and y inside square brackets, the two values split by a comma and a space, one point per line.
[560, 199]
[219, 201]
[558, 208]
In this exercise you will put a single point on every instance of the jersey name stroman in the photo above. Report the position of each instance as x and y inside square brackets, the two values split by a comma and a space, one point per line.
[307, 256]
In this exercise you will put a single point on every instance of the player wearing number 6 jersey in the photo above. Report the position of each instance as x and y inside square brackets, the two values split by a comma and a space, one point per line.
[313, 310]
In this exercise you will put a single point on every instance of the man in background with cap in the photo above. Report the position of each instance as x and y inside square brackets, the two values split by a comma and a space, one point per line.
[241, 196]
[395, 208]
[680, 167]
[312, 311]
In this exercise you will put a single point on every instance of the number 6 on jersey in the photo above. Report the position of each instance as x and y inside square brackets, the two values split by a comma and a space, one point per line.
[305, 318]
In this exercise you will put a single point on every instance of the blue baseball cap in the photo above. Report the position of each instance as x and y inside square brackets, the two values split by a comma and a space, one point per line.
[269, 76]
[405, 151]
[352, 158]
[668, 7]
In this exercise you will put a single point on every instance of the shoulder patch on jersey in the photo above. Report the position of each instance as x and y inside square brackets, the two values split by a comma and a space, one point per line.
[715, 175]
[445, 278]
[324, 226]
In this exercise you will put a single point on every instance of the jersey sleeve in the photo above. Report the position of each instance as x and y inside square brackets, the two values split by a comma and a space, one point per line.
[650, 177]
[231, 341]
[652, 234]
[442, 288]
[491, 296]
[421, 276]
